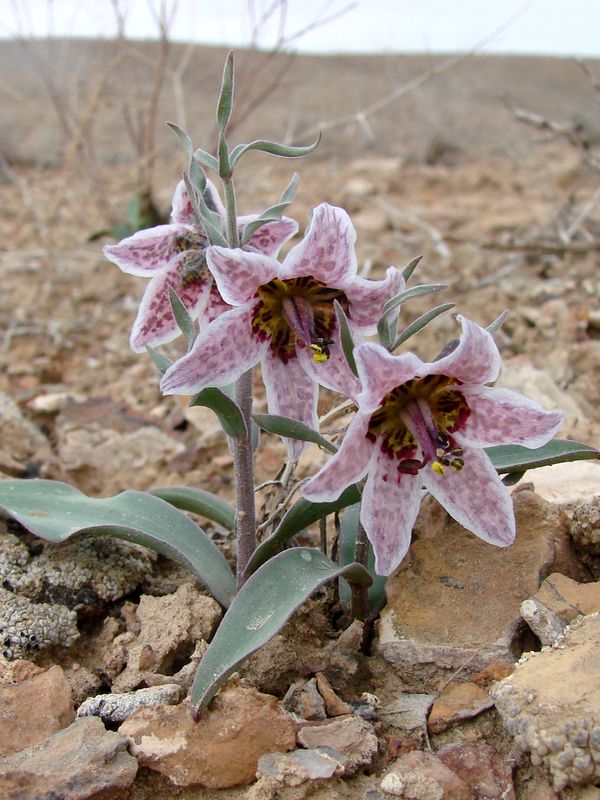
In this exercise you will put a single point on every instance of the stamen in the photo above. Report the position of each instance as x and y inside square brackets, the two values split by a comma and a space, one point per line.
[298, 314]
[438, 468]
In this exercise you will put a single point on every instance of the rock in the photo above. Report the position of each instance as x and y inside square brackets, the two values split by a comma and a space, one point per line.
[22, 441]
[28, 628]
[422, 776]
[206, 423]
[350, 739]
[585, 530]
[557, 603]
[334, 705]
[304, 700]
[566, 484]
[53, 402]
[169, 626]
[79, 762]
[551, 705]
[294, 768]
[481, 768]
[457, 703]
[456, 604]
[117, 707]
[33, 708]
[219, 751]
[408, 712]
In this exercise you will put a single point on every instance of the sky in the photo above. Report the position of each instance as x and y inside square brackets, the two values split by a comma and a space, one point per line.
[549, 27]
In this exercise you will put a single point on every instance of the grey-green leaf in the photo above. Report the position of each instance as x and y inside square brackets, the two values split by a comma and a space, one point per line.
[206, 159]
[182, 317]
[420, 323]
[262, 607]
[56, 511]
[292, 429]
[183, 137]
[302, 514]
[515, 458]
[162, 363]
[226, 409]
[411, 267]
[198, 501]
[415, 291]
[347, 547]
[345, 336]
[497, 323]
[225, 103]
[282, 150]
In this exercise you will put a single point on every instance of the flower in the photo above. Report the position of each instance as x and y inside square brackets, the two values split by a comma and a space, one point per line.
[174, 256]
[425, 424]
[285, 318]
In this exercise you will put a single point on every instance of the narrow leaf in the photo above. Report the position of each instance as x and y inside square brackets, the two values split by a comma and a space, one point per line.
[225, 104]
[289, 193]
[302, 514]
[347, 547]
[162, 363]
[198, 501]
[204, 216]
[226, 409]
[345, 336]
[197, 175]
[292, 429]
[55, 511]
[421, 322]
[182, 317]
[183, 137]
[206, 159]
[273, 213]
[411, 267]
[415, 291]
[497, 323]
[285, 151]
[515, 458]
[224, 162]
[260, 610]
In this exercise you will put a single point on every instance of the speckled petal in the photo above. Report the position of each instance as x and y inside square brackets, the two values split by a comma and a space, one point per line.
[347, 466]
[390, 504]
[239, 273]
[334, 373]
[327, 250]
[474, 360]
[291, 393]
[269, 238]
[367, 298]
[155, 323]
[223, 351]
[146, 252]
[182, 210]
[215, 305]
[501, 416]
[379, 372]
[475, 497]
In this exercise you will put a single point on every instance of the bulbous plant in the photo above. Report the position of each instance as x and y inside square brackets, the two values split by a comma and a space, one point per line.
[436, 426]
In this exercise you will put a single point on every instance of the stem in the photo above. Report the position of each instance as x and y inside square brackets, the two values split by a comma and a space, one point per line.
[243, 466]
[230, 204]
[360, 600]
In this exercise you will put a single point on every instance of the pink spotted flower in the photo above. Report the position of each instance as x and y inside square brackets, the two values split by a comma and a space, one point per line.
[284, 318]
[424, 425]
[174, 256]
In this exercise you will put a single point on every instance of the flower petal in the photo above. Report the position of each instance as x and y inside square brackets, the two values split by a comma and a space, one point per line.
[501, 416]
[215, 305]
[379, 372]
[474, 360]
[269, 238]
[367, 298]
[222, 352]
[475, 497]
[155, 323]
[327, 250]
[334, 373]
[182, 210]
[146, 252]
[347, 466]
[390, 504]
[291, 393]
[239, 273]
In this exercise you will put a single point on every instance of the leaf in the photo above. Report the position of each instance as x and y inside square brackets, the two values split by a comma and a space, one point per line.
[206, 159]
[198, 501]
[262, 607]
[516, 458]
[345, 336]
[273, 148]
[55, 511]
[347, 547]
[224, 162]
[421, 322]
[225, 103]
[226, 409]
[289, 193]
[184, 138]
[204, 216]
[162, 363]
[497, 323]
[425, 288]
[411, 267]
[292, 429]
[182, 317]
[302, 514]
[274, 213]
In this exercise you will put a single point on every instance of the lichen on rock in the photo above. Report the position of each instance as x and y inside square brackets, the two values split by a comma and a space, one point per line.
[26, 628]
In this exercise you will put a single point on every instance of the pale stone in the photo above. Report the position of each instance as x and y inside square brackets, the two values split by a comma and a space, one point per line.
[352, 739]
[557, 603]
[117, 707]
[206, 423]
[566, 484]
[422, 776]
[408, 712]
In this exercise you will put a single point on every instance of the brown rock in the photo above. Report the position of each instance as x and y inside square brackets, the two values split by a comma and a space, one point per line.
[33, 709]
[457, 602]
[304, 700]
[480, 767]
[219, 751]
[17, 671]
[557, 603]
[80, 762]
[456, 703]
[424, 776]
[334, 705]
[352, 738]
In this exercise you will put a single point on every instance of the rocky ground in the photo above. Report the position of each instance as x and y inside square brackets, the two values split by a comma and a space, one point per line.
[481, 679]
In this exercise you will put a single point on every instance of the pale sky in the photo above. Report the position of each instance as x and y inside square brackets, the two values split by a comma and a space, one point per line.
[552, 27]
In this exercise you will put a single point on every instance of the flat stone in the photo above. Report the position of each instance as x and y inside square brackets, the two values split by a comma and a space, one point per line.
[34, 708]
[557, 603]
[79, 762]
[219, 751]
[304, 699]
[334, 705]
[118, 707]
[457, 703]
[566, 484]
[407, 712]
[351, 738]
[422, 776]
[294, 768]
[481, 768]
[551, 705]
[457, 602]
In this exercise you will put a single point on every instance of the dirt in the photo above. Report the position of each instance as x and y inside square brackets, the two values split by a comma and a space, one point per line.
[487, 218]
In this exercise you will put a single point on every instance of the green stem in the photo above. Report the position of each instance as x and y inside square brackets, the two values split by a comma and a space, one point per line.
[230, 204]
[360, 599]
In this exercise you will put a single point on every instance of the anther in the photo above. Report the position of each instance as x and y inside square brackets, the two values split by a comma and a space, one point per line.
[438, 468]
